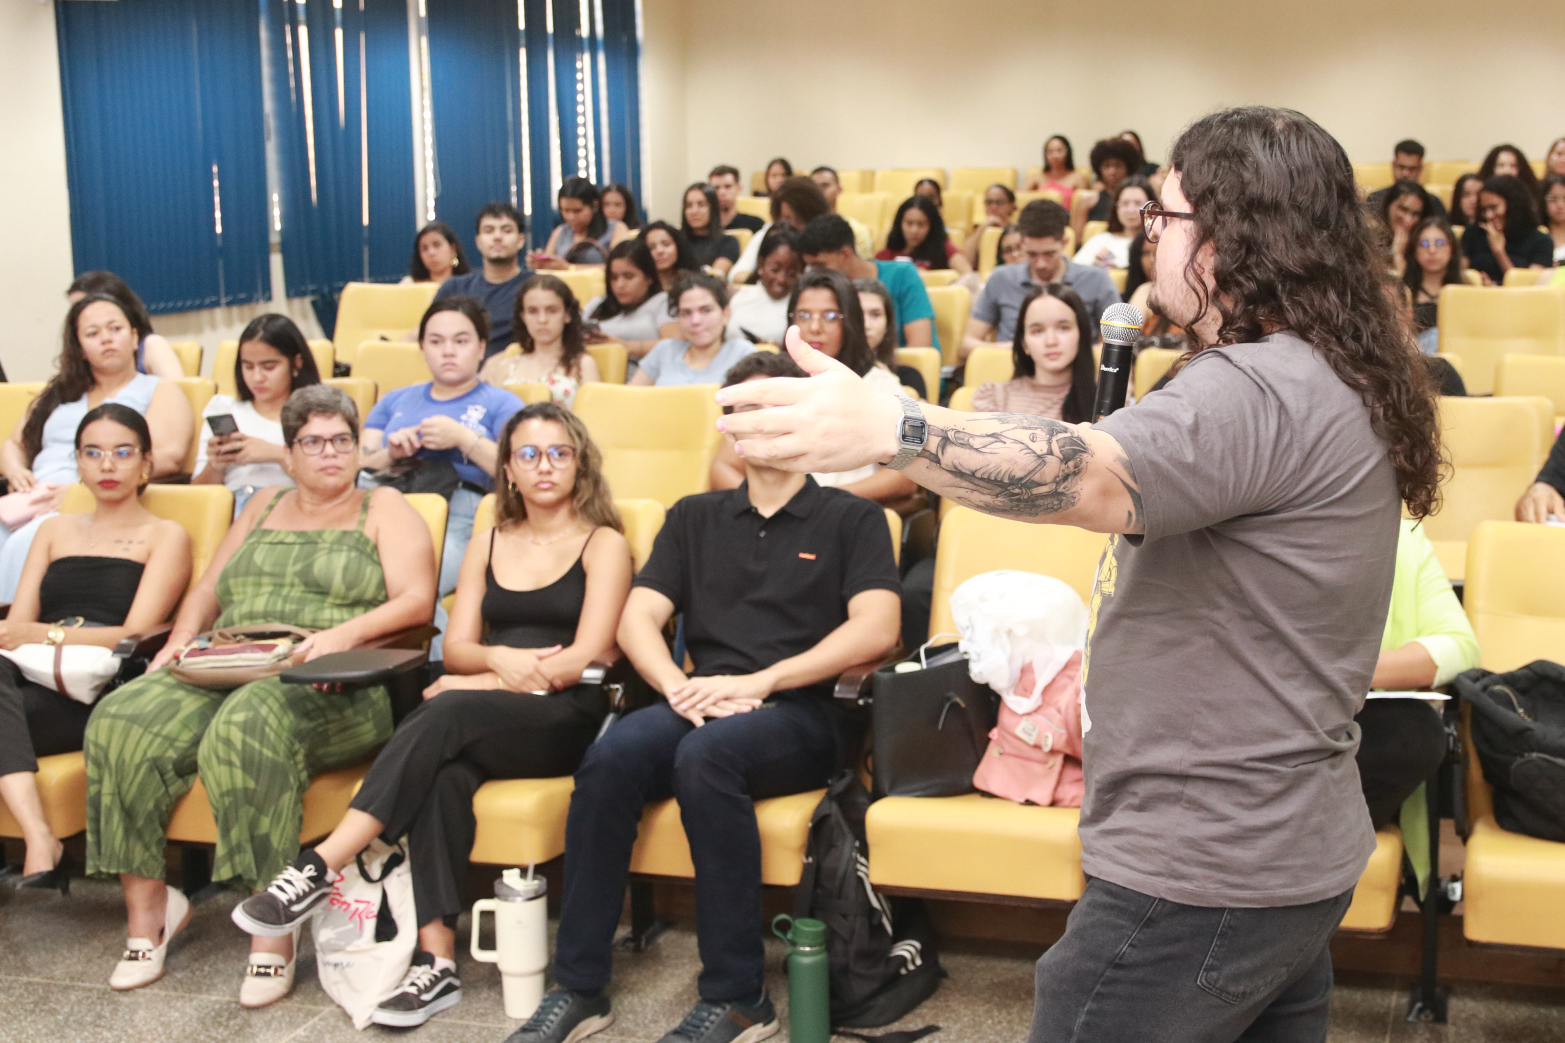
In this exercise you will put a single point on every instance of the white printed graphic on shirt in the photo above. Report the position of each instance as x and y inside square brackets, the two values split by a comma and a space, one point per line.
[473, 417]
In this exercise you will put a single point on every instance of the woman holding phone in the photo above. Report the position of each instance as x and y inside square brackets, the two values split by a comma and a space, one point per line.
[242, 434]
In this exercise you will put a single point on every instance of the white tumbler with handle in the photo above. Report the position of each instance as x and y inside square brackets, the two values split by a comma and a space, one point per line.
[521, 931]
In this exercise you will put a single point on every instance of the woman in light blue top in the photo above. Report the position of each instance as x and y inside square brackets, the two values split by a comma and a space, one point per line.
[699, 355]
[97, 365]
[584, 235]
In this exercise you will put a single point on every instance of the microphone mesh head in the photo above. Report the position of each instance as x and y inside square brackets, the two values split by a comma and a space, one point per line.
[1121, 324]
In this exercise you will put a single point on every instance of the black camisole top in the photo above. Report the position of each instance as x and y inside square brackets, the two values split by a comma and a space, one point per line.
[99, 589]
[534, 618]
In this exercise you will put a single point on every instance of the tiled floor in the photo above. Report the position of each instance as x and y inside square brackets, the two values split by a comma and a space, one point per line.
[55, 955]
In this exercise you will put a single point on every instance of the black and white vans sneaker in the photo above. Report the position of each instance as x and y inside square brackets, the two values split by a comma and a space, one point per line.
[564, 1016]
[424, 993]
[726, 1023]
[287, 901]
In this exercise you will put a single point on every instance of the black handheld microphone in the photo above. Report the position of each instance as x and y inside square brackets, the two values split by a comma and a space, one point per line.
[1120, 326]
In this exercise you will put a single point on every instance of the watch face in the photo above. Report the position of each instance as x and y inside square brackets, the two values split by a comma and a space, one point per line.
[914, 432]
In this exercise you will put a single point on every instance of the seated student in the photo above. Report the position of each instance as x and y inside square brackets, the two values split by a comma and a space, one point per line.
[1510, 161]
[499, 240]
[273, 361]
[1554, 159]
[90, 579]
[154, 354]
[999, 209]
[830, 184]
[1111, 248]
[539, 599]
[918, 234]
[778, 171]
[1545, 498]
[759, 311]
[1464, 200]
[1059, 173]
[826, 309]
[618, 203]
[768, 624]
[1042, 225]
[699, 355]
[1113, 160]
[97, 365]
[635, 310]
[1430, 261]
[1148, 169]
[437, 255]
[725, 179]
[1428, 641]
[671, 253]
[880, 330]
[796, 202]
[1399, 210]
[440, 436]
[1009, 248]
[584, 235]
[1506, 235]
[553, 347]
[827, 242]
[1051, 358]
[1140, 271]
[354, 564]
[1407, 164]
[710, 247]
[1554, 213]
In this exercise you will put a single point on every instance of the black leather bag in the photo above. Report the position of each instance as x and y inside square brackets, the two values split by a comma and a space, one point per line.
[931, 727]
[1518, 731]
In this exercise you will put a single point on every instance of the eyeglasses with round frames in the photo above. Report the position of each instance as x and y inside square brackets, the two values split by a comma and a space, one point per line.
[1154, 219]
[528, 457]
[314, 445]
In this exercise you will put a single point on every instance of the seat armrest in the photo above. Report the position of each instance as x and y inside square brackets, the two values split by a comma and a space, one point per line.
[597, 671]
[358, 667]
[414, 637]
[144, 646]
[853, 683]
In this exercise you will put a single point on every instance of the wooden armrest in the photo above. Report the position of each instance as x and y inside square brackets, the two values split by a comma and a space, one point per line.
[853, 683]
[359, 667]
[144, 646]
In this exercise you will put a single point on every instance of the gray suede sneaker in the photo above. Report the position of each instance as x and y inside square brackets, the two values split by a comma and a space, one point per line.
[564, 1016]
[726, 1023]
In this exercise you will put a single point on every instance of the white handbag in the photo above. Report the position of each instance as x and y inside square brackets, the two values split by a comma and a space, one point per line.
[365, 932]
[81, 672]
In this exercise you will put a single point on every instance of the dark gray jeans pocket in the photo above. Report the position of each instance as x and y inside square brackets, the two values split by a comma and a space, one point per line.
[1256, 950]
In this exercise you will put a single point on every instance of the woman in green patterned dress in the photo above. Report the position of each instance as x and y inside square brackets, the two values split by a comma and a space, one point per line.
[357, 565]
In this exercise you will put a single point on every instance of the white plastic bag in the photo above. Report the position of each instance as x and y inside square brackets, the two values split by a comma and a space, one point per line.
[356, 969]
[1007, 619]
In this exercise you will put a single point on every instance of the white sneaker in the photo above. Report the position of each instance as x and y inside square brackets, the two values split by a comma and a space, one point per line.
[269, 977]
[142, 963]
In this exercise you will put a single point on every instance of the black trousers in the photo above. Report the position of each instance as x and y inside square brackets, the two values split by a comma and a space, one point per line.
[788, 745]
[35, 721]
[1131, 968]
[421, 785]
[1403, 743]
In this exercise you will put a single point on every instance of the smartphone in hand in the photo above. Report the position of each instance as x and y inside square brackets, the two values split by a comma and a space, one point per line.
[223, 425]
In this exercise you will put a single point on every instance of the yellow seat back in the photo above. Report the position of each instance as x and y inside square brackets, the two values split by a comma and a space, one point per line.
[1052, 195]
[643, 519]
[189, 352]
[938, 276]
[988, 251]
[1526, 277]
[204, 511]
[433, 508]
[971, 543]
[1495, 446]
[871, 209]
[1482, 324]
[743, 235]
[952, 305]
[360, 389]
[1512, 596]
[989, 364]
[612, 360]
[898, 184]
[962, 399]
[1372, 177]
[927, 362]
[856, 180]
[14, 402]
[376, 311]
[391, 365]
[1448, 171]
[957, 209]
[1151, 364]
[657, 442]
[1092, 228]
[1442, 193]
[228, 351]
[1533, 375]
[586, 281]
[529, 392]
[978, 179]
[198, 391]
[755, 206]
[894, 522]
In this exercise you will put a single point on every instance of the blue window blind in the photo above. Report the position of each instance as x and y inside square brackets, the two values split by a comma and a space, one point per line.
[165, 148]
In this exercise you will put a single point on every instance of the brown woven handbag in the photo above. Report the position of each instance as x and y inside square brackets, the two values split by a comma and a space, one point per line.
[235, 656]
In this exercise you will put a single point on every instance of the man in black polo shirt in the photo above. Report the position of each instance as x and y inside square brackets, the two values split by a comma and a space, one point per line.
[783, 585]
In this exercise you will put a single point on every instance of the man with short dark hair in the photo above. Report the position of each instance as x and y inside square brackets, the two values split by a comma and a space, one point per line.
[725, 180]
[830, 184]
[1407, 164]
[499, 241]
[827, 242]
[1042, 223]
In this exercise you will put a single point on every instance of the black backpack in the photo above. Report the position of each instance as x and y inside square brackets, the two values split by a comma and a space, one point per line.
[1518, 730]
[881, 953]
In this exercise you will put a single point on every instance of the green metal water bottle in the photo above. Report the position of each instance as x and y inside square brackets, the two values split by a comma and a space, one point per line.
[809, 980]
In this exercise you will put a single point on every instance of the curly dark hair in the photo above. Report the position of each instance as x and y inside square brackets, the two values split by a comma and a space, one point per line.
[1274, 195]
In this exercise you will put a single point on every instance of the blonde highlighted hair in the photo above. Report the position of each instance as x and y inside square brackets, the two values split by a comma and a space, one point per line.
[590, 496]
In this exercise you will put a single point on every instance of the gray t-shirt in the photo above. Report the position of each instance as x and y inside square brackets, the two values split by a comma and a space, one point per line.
[1233, 644]
[1009, 284]
[666, 365]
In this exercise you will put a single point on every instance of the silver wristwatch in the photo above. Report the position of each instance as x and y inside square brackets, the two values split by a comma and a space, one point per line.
[912, 433]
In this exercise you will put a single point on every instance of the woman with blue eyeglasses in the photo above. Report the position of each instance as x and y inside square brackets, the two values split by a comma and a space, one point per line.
[1433, 259]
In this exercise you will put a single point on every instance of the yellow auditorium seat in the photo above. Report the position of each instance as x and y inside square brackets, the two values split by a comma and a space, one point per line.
[189, 352]
[662, 850]
[988, 364]
[1454, 361]
[873, 210]
[1448, 171]
[1092, 228]
[1512, 883]
[899, 183]
[391, 365]
[1483, 324]
[1534, 375]
[1471, 276]
[15, 399]
[62, 790]
[531, 393]
[978, 179]
[938, 276]
[755, 206]
[743, 235]
[586, 281]
[360, 389]
[856, 180]
[1379, 889]
[1151, 364]
[1496, 446]
[377, 311]
[1372, 177]
[961, 400]
[952, 305]
[988, 251]
[757, 183]
[957, 209]
[927, 362]
[1538, 167]
[657, 443]
[1525, 277]
[228, 350]
[1118, 276]
[1052, 195]
[329, 793]
[612, 360]
[1442, 193]
[198, 391]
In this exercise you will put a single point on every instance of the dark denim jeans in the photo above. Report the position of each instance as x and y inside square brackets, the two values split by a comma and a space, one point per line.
[1133, 968]
[718, 771]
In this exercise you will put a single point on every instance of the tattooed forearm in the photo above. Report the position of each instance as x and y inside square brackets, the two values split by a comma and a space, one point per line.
[1009, 464]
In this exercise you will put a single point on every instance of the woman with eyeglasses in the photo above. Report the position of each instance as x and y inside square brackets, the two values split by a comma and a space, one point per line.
[539, 599]
[351, 564]
[999, 211]
[90, 579]
[1431, 260]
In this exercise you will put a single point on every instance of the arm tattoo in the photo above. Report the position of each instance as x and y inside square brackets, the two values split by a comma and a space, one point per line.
[1011, 464]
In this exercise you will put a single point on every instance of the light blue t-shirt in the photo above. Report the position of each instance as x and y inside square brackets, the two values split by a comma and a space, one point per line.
[484, 410]
[56, 461]
[906, 287]
[665, 363]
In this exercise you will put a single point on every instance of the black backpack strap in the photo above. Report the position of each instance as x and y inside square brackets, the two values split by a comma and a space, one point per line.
[804, 893]
[905, 1036]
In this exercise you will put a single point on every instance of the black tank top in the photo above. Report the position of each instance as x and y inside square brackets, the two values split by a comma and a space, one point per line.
[98, 589]
[534, 618]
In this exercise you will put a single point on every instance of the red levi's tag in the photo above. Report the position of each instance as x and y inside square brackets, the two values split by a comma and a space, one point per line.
[806, 556]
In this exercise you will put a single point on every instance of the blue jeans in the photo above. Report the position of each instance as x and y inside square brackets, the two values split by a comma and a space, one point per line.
[718, 771]
[459, 531]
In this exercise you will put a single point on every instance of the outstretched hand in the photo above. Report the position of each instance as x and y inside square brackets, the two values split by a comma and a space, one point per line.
[832, 421]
